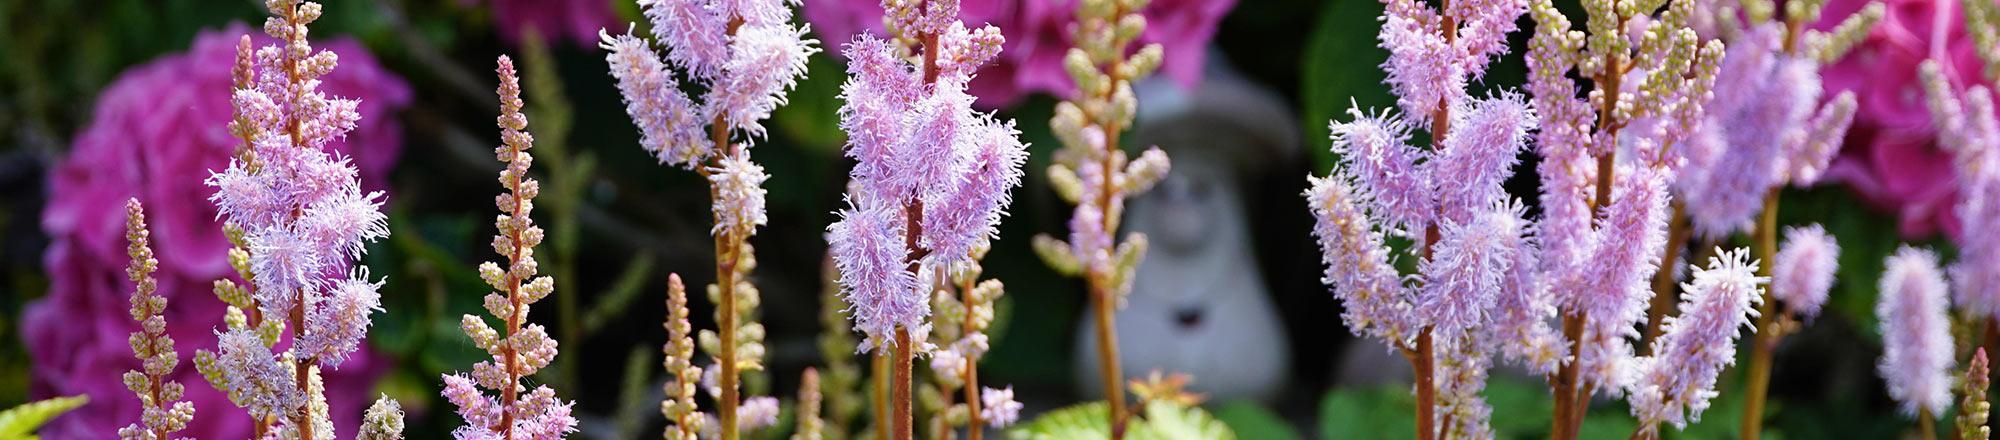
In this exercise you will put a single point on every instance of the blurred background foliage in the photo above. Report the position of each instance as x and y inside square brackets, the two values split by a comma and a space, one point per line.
[620, 223]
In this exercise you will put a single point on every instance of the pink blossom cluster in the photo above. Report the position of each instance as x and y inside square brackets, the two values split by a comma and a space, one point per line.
[746, 54]
[932, 176]
[1676, 383]
[1968, 129]
[158, 123]
[1916, 332]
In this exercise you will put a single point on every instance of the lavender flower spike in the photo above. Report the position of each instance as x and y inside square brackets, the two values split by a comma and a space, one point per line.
[1916, 334]
[1968, 129]
[164, 411]
[1677, 381]
[521, 351]
[1805, 269]
[868, 248]
[746, 54]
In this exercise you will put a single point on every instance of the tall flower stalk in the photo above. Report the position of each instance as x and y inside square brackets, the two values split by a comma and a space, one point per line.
[1768, 127]
[1093, 172]
[163, 410]
[295, 214]
[747, 55]
[931, 181]
[1607, 162]
[525, 348]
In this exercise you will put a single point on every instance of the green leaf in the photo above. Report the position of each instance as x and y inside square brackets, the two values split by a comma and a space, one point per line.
[21, 422]
[1084, 420]
[1342, 70]
[1385, 412]
[1167, 421]
[1251, 420]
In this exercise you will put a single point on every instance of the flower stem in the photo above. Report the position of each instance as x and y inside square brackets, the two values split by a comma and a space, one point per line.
[727, 246]
[902, 418]
[881, 366]
[1107, 354]
[1766, 339]
[971, 377]
[1421, 360]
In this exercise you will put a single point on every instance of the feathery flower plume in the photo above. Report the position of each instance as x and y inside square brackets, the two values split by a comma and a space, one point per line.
[747, 55]
[383, 421]
[810, 426]
[1916, 333]
[1001, 409]
[931, 182]
[1968, 129]
[164, 411]
[1675, 383]
[524, 348]
[297, 213]
[1807, 262]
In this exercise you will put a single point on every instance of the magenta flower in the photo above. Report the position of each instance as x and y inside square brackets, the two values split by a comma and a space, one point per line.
[155, 130]
[1891, 157]
[1031, 62]
[1916, 333]
[572, 21]
[1805, 269]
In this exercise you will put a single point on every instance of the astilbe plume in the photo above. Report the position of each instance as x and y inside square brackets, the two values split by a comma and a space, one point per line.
[746, 55]
[1916, 333]
[959, 326]
[684, 419]
[1093, 172]
[297, 215]
[810, 427]
[1968, 129]
[1805, 269]
[524, 348]
[931, 181]
[164, 411]
[1676, 382]
[1762, 131]
[1476, 292]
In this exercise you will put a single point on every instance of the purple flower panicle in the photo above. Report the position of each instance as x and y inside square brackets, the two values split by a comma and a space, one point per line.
[1675, 383]
[1805, 269]
[1916, 332]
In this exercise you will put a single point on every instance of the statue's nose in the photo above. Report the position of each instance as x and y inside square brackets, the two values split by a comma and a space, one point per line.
[1188, 317]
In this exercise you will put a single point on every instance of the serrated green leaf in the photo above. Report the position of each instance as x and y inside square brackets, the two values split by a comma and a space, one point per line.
[1167, 421]
[1084, 420]
[20, 422]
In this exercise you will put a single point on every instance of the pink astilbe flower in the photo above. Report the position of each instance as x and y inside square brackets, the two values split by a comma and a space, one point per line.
[1357, 262]
[301, 215]
[164, 412]
[925, 160]
[1427, 69]
[1967, 128]
[1916, 333]
[1616, 288]
[155, 125]
[1762, 131]
[1462, 278]
[739, 191]
[869, 250]
[521, 351]
[998, 407]
[1675, 383]
[1805, 269]
[1479, 155]
[746, 68]
[1376, 151]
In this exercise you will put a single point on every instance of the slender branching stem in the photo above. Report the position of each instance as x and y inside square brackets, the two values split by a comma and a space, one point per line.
[1768, 332]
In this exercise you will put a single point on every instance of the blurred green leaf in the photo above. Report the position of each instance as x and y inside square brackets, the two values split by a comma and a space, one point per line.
[811, 115]
[1383, 412]
[1162, 421]
[1341, 70]
[21, 422]
[617, 300]
[1252, 420]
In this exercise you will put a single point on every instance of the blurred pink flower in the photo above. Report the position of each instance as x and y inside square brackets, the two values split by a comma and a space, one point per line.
[156, 133]
[1891, 157]
[574, 21]
[1038, 37]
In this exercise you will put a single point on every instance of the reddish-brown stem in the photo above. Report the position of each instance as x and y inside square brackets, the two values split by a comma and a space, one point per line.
[1421, 360]
[1768, 332]
[903, 419]
[1565, 380]
[881, 366]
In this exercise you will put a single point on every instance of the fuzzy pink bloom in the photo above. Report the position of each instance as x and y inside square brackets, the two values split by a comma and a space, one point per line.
[1891, 157]
[1462, 277]
[1617, 285]
[1677, 381]
[747, 63]
[1916, 333]
[1480, 154]
[155, 131]
[1375, 149]
[868, 247]
[1031, 61]
[1804, 270]
[670, 124]
[1967, 127]
[956, 219]
[1357, 262]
